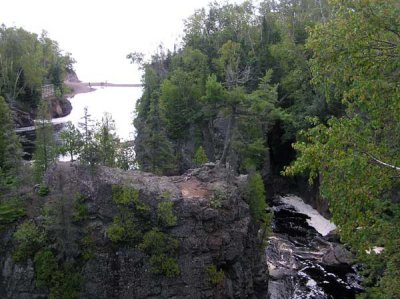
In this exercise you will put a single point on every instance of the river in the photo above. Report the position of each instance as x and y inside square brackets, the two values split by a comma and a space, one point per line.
[118, 101]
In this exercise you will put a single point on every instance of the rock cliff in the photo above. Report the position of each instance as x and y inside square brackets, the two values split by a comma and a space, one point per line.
[113, 227]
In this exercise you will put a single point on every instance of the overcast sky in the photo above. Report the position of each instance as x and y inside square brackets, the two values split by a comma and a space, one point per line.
[100, 33]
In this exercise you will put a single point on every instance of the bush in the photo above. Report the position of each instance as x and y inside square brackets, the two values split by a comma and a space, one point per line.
[161, 247]
[166, 214]
[66, 284]
[10, 211]
[123, 230]
[165, 265]
[256, 197]
[28, 239]
[124, 196]
[43, 190]
[45, 267]
[200, 156]
[80, 211]
[217, 198]
[214, 276]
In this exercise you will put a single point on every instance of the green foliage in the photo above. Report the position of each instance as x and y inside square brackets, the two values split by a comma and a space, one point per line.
[43, 190]
[165, 265]
[214, 276]
[28, 238]
[116, 231]
[10, 211]
[355, 156]
[45, 148]
[256, 197]
[45, 266]
[10, 148]
[79, 209]
[133, 218]
[125, 196]
[200, 156]
[66, 283]
[218, 197]
[161, 248]
[157, 242]
[166, 213]
[72, 141]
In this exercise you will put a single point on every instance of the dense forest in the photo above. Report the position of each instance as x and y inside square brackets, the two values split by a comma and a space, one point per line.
[249, 81]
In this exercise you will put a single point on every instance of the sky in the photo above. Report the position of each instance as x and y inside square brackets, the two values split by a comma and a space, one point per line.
[100, 33]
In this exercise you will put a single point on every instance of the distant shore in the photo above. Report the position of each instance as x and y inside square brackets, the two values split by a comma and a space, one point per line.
[84, 87]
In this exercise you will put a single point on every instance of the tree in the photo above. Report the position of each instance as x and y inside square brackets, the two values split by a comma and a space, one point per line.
[355, 157]
[72, 141]
[45, 148]
[106, 140]
[10, 148]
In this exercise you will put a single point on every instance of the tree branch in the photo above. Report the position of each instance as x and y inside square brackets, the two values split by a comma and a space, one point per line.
[381, 163]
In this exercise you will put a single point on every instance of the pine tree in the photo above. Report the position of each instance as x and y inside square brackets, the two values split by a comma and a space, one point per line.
[72, 141]
[45, 148]
[10, 148]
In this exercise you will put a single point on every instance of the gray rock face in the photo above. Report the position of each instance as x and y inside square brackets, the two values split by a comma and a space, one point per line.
[223, 236]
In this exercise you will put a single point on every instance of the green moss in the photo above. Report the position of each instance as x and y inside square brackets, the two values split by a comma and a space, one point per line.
[214, 276]
[166, 214]
[116, 231]
[27, 239]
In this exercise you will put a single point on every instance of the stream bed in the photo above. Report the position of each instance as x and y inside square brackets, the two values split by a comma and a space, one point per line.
[305, 258]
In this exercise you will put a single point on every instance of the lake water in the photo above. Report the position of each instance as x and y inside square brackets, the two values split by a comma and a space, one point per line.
[118, 101]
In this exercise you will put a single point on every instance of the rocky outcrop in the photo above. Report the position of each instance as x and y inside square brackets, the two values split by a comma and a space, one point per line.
[59, 107]
[213, 227]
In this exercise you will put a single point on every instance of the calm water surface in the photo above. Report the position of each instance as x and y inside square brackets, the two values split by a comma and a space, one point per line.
[118, 101]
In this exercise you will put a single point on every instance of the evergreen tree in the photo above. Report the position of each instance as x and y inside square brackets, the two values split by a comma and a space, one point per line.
[45, 148]
[10, 148]
[72, 141]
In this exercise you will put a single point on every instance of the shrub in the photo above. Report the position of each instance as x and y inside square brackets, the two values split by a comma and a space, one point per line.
[166, 214]
[217, 198]
[45, 266]
[80, 211]
[28, 239]
[43, 190]
[161, 247]
[214, 276]
[165, 265]
[256, 197]
[123, 230]
[124, 196]
[200, 156]
[66, 284]
[10, 211]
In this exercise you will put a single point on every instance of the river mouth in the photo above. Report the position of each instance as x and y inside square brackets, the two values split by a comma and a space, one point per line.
[302, 262]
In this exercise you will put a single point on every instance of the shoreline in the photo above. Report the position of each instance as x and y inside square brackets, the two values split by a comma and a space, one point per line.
[77, 88]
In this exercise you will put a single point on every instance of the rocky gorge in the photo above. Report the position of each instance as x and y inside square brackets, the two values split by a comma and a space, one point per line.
[109, 228]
